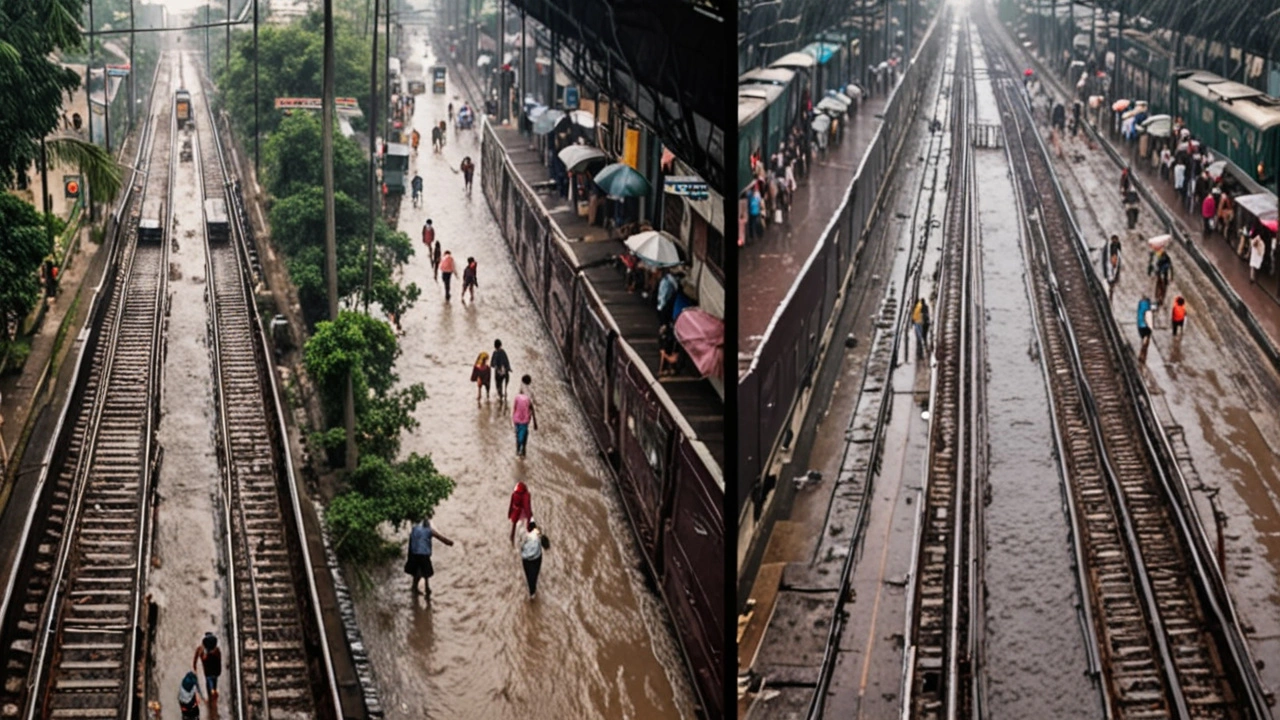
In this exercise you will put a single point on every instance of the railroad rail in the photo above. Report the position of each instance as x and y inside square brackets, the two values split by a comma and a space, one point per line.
[75, 631]
[281, 661]
[941, 632]
[1168, 644]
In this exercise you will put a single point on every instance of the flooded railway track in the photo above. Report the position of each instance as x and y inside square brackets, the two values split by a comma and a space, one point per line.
[1165, 641]
[281, 663]
[942, 601]
[75, 620]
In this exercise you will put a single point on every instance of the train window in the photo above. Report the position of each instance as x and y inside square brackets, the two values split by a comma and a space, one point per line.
[653, 439]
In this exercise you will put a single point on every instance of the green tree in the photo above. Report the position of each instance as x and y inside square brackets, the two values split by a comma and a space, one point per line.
[291, 61]
[23, 246]
[383, 492]
[32, 86]
[293, 160]
[366, 347]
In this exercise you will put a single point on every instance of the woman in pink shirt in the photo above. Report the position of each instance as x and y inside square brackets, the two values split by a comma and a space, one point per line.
[521, 415]
[446, 271]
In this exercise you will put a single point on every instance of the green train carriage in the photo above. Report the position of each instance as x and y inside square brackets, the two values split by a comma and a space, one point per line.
[1239, 123]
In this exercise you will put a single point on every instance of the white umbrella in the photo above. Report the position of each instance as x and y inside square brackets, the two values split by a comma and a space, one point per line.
[844, 99]
[1158, 125]
[822, 123]
[655, 248]
[1217, 169]
[484, 60]
[582, 118]
[576, 156]
[831, 106]
[1159, 241]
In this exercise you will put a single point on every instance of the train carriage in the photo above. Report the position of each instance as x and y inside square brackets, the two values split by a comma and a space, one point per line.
[182, 108]
[1237, 121]
[750, 136]
[217, 226]
[792, 89]
[152, 223]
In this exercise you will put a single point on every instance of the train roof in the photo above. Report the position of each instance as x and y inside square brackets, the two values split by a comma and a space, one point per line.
[1249, 104]
[767, 76]
[795, 60]
[749, 108]
[183, 93]
[215, 210]
[768, 93]
[398, 149]
[821, 51]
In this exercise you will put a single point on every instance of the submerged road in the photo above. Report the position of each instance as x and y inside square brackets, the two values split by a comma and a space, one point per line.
[596, 641]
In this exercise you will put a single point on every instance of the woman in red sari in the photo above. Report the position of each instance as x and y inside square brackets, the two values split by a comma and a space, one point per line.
[521, 508]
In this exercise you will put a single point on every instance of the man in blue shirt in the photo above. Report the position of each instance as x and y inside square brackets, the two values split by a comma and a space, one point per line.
[1144, 326]
[419, 563]
[667, 289]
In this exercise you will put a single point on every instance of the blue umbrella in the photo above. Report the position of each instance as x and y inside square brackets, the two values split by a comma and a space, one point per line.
[621, 180]
[547, 121]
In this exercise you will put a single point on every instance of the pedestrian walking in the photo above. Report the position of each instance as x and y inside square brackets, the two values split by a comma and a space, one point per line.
[501, 369]
[469, 281]
[522, 414]
[1144, 326]
[531, 555]
[521, 508]
[480, 375]
[1226, 215]
[668, 288]
[1161, 266]
[1257, 251]
[435, 262]
[417, 137]
[1126, 183]
[416, 184]
[1166, 163]
[1111, 264]
[468, 171]
[1209, 210]
[437, 142]
[920, 318]
[1179, 316]
[209, 655]
[1131, 208]
[755, 206]
[189, 697]
[428, 234]
[446, 272]
[450, 110]
[419, 563]
[1059, 117]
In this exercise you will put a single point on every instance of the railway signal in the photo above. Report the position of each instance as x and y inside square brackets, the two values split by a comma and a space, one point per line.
[71, 186]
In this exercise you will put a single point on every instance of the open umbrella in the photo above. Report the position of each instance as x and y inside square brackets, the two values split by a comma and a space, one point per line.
[1120, 105]
[582, 118]
[831, 106]
[822, 123]
[1159, 241]
[577, 156]
[1216, 169]
[1158, 126]
[1271, 224]
[655, 248]
[621, 180]
[702, 336]
[547, 121]
[841, 98]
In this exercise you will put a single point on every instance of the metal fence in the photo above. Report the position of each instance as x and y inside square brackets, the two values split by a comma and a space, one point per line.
[784, 364]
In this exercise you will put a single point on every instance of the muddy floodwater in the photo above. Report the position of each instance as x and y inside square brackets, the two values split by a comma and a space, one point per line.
[1035, 653]
[595, 643]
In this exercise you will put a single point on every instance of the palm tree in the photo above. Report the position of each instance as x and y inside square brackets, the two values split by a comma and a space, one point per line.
[99, 169]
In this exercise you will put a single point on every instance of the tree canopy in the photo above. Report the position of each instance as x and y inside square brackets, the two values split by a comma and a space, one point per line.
[32, 84]
[294, 159]
[23, 246]
[291, 59]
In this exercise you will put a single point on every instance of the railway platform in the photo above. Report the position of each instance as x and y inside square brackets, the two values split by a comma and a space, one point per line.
[769, 266]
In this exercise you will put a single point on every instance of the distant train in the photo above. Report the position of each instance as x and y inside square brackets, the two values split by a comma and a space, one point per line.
[152, 223]
[216, 224]
[182, 108]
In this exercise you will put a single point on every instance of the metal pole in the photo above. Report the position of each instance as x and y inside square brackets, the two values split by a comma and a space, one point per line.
[208, 58]
[257, 105]
[386, 123]
[500, 62]
[44, 195]
[524, 67]
[227, 65]
[133, 72]
[373, 159]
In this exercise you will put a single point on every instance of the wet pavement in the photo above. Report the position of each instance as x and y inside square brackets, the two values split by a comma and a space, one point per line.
[1214, 389]
[186, 580]
[769, 266]
[595, 642]
[1035, 663]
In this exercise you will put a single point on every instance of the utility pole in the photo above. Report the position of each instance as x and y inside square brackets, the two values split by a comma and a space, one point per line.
[227, 66]
[330, 232]
[524, 67]
[500, 62]
[133, 72]
[373, 160]
[257, 105]
[208, 59]
[386, 122]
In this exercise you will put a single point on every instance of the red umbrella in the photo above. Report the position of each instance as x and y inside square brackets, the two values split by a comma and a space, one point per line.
[702, 336]
[1271, 224]
[1028, 72]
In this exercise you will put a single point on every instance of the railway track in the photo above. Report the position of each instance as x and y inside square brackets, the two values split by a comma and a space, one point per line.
[1167, 644]
[75, 631]
[942, 602]
[281, 663]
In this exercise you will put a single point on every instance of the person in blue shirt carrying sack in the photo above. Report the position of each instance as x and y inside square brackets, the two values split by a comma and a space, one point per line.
[419, 563]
